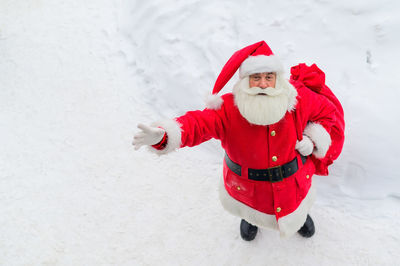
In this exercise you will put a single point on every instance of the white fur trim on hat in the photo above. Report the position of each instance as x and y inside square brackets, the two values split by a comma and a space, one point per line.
[173, 130]
[321, 138]
[213, 101]
[260, 64]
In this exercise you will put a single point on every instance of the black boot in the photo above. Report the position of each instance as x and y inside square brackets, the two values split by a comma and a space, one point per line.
[247, 231]
[308, 228]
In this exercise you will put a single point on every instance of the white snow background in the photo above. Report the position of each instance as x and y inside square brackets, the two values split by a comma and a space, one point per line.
[76, 77]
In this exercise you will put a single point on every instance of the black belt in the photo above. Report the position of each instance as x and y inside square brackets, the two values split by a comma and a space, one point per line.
[273, 174]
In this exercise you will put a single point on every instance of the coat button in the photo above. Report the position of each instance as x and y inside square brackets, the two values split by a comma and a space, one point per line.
[307, 176]
[274, 158]
[273, 133]
[278, 209]
[238, 188]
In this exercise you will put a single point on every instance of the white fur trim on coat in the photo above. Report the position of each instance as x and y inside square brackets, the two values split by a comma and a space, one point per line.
[287, 225]
[321, 138]
[291, 223]
[173, 129]
[213, 101]
[260, 64]
[243, 211]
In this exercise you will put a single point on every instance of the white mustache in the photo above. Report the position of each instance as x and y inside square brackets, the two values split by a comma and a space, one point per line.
[268, 91]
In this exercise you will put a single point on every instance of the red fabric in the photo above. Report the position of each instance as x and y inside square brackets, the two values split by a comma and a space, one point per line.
[253, 146]
[163, 142]
[314, 78]
[229, 69]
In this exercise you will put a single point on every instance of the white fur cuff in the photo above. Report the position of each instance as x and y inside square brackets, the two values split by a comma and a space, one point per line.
[173, 129]
[320, 137]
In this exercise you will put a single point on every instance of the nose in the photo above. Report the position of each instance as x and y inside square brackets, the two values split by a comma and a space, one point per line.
[263, 84]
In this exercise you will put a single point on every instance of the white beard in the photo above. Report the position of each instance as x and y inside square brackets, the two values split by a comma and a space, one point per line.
[265, 109]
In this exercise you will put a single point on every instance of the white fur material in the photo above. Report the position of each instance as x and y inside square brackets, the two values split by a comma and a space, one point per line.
[265, 109]
[260, 64]
[320, 137]
[173, 129]
[291, 223]
[213, 101]
[287, 225]
[243, 211]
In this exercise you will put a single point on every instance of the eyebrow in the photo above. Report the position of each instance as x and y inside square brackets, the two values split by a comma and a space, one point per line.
[258, 74]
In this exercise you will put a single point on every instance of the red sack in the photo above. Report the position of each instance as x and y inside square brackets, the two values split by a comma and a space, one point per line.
[314, 78]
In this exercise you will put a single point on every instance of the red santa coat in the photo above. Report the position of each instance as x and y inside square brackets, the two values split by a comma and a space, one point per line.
[283, 205]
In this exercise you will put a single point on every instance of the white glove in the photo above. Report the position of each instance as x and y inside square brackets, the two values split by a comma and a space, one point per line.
[305, 147]
[148, 136]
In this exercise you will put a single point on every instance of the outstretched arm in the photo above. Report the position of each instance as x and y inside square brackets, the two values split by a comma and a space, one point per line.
[191, 129]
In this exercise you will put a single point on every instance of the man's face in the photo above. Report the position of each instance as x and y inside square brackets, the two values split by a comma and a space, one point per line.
[262, 80]
[263, 98]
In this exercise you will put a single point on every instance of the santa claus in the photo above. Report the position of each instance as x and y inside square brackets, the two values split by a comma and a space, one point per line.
[273, 132]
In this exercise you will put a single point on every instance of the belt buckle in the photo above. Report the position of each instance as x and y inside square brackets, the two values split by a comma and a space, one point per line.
[271, 174]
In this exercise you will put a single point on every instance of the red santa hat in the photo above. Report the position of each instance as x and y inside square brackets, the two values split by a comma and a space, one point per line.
[255, 58]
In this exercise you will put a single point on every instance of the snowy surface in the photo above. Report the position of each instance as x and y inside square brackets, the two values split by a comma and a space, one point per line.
[77, 76]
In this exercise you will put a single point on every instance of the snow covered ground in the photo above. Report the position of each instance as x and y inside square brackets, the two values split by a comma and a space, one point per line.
[77, 76]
